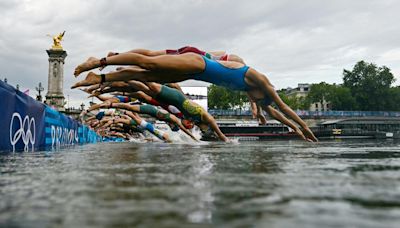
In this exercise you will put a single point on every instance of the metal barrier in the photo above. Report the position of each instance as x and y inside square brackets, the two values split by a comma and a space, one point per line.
[28, 125]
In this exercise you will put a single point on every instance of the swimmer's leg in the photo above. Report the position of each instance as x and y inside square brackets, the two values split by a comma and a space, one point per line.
[178, 64]
[131, 74]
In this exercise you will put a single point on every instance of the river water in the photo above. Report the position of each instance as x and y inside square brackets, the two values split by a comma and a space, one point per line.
[348, 183]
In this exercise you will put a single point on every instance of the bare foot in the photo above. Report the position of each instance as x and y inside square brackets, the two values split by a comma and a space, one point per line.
[90, 64]
[90, 79]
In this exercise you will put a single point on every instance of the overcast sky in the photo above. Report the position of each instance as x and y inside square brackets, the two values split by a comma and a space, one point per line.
[290, 41]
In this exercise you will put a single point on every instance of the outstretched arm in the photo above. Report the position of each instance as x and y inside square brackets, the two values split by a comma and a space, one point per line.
[133, 108]
[102, 97]
[178, 122]
[114, 89]
[106, 103]
[305, 129]
[213, 124]
[149, 127]
[287, 110]
[260, 115]
[256, 110]
[281, 118]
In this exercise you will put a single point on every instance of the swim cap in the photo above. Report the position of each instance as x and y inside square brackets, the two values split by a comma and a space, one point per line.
[187, 123]
[174, 127]
[100, 115]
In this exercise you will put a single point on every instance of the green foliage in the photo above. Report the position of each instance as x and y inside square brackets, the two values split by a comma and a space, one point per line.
[295, 103]
[340, 98]
[370, 86]
[394, 101]
[319, 92]
[366, 87]
[223, 98]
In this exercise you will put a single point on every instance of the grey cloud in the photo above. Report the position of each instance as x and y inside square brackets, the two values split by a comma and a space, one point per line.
[290, 41]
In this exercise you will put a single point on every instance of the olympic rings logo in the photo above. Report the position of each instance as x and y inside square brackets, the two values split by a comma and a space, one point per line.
[26, 131]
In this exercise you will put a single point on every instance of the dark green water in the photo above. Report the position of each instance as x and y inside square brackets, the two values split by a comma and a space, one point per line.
[252, 184]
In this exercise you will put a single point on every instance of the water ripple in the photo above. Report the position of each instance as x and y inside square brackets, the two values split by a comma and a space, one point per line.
[351, 183]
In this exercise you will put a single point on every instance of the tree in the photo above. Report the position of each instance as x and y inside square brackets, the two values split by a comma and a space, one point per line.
[293, 101]
[222, 98]
[340, 98]
[369, 85]
[319, 93]
[394, 101]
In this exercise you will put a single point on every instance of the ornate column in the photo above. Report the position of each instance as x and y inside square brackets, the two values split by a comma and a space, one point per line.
[55, 96]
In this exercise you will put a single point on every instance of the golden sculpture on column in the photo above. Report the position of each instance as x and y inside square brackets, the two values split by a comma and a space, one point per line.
[57, 41]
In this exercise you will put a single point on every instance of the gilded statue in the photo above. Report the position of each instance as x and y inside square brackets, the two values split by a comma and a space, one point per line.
[57, 40]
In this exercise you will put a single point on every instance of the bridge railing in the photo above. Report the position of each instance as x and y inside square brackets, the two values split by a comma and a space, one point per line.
[315, 114]
[229, 112]
[348, 113]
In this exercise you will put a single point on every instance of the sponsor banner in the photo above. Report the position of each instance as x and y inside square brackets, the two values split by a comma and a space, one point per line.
[28, 125]
[62, 130]
[21, 120]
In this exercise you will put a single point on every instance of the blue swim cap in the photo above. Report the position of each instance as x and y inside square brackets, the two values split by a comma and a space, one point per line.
[100, 115]
[174, 127]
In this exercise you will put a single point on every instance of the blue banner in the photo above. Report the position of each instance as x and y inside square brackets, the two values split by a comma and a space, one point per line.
[62, 130]
[28, 125]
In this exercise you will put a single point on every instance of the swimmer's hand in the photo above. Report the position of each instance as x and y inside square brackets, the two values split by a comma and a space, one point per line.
[309, 134]
[261, 119]
[300, 133]
[227, 140]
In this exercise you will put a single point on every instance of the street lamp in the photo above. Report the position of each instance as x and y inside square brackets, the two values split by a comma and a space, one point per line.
[39, 89]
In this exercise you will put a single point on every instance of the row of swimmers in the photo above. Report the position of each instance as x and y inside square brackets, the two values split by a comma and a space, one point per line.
[151, 77]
